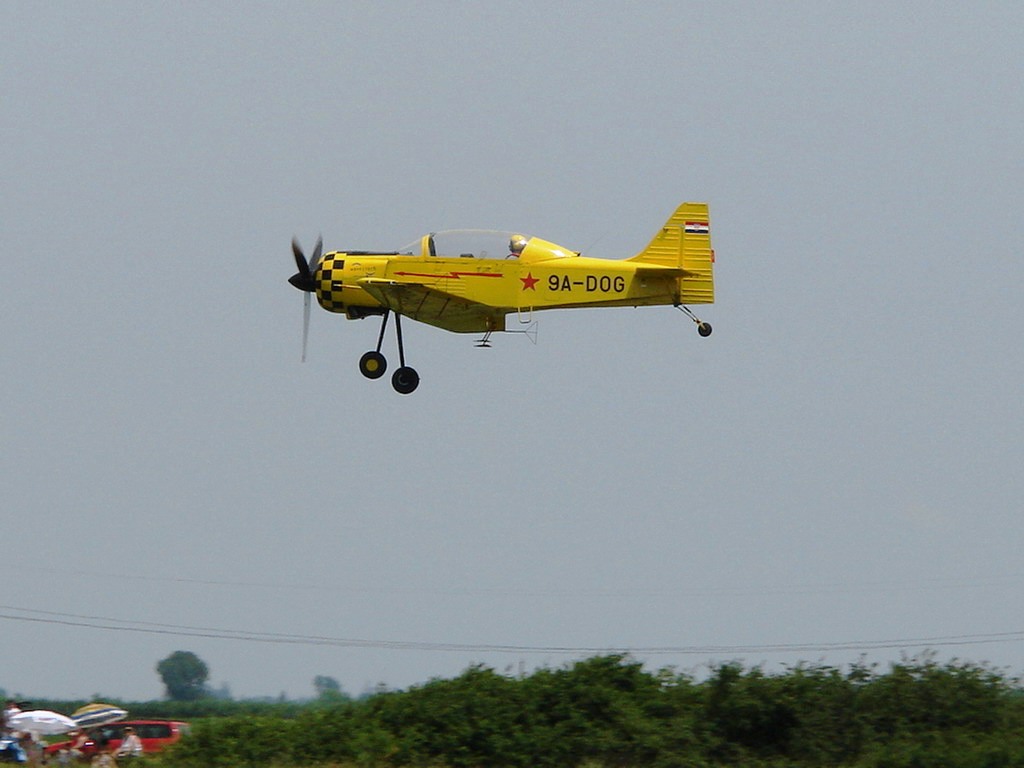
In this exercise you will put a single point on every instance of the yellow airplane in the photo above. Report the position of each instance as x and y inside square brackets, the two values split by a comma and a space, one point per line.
[470, 281]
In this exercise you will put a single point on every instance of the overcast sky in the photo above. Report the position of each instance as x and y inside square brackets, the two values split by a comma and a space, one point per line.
[838, 466]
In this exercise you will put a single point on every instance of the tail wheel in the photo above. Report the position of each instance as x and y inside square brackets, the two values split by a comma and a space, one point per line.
[405, 380]
[372, 365]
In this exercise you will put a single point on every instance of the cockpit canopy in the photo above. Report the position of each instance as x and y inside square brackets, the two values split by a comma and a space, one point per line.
[484, 244]
[467, 243]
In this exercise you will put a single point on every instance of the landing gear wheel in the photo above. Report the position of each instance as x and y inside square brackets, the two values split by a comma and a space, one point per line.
[405, 380]
[372, 365]
[704, 329]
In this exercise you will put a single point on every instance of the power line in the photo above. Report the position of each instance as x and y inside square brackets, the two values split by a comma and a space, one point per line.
[123, 625]
[1011, 580]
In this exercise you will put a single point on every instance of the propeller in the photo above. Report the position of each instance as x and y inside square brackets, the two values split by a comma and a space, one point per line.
[305, 280]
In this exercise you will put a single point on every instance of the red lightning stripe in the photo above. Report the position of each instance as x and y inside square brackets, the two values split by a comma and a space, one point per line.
[456, 275]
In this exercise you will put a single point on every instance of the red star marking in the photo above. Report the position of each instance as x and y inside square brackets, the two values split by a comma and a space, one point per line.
[529, 281]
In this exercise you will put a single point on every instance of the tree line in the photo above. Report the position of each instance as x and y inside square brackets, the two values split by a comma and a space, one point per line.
[607, 711]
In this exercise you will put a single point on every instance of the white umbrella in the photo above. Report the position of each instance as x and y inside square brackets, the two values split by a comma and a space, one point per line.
[41, 721]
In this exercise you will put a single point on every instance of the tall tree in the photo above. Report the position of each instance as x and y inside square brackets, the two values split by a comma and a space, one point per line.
[326, 686]
[184, 675]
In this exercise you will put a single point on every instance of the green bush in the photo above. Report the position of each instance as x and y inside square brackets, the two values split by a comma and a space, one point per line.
[608, 712]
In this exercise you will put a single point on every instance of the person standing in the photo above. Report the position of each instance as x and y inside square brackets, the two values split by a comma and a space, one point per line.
[131, 745]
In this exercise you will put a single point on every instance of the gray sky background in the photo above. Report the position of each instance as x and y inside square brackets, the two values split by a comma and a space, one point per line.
[840, 463]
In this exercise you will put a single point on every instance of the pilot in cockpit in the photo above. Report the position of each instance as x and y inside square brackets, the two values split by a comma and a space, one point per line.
[515, 246]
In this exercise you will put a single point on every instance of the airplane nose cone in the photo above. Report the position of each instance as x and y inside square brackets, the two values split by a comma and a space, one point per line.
[303, 282]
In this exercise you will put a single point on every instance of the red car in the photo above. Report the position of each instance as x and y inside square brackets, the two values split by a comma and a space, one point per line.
[155, 735]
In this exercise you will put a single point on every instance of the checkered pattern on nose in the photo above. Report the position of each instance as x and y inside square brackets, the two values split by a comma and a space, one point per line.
[329, 284]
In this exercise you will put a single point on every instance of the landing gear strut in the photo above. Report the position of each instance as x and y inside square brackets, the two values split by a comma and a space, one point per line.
[704, 329]
[373, 364]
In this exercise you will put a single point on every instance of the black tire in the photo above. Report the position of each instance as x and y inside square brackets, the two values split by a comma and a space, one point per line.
[704, 329]
[372, 365]
[405, 380]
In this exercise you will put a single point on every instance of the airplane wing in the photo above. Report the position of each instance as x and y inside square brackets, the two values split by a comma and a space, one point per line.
[435, 307]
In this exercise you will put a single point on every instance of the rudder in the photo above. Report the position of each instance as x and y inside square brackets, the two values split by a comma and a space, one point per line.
[684, 243]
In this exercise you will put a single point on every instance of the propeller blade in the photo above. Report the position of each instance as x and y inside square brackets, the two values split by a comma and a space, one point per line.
[314, 260]
[305, 325]
[305, 280]
[300, 260]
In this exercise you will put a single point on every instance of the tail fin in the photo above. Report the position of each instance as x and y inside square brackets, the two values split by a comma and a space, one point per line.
[684, 243]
